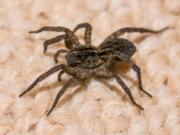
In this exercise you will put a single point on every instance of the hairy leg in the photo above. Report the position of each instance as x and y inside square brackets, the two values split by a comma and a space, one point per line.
[122, 31]
[138, 72]
[58, 53]
[127, 90]
[42, 77]
[87, 33]
[60, 93]
[70, 38]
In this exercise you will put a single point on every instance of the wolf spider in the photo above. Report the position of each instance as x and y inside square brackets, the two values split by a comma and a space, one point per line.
[85, 61]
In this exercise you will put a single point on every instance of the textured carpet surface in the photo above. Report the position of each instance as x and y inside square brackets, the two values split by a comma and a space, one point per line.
[99, 107]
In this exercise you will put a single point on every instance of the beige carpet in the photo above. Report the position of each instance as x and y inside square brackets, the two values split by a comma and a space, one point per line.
[98, 108]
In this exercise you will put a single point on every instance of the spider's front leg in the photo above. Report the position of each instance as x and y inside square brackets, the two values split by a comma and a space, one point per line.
[127, 90]
[87, 33]
[138, 72]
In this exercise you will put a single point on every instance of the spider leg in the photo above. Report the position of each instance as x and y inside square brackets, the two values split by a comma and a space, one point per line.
[52, 28]
[137, 69]
[70, 38]
[60, 93]
[122, 31]
[87, 33]
[59, 75]
[58, 53]
[127, 90]
[42, 77]
[52, 41]
[138, 72]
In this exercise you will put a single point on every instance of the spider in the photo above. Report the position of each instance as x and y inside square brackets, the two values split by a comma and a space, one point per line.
[86, 61]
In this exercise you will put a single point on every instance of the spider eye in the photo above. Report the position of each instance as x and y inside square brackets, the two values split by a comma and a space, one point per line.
[131, 48]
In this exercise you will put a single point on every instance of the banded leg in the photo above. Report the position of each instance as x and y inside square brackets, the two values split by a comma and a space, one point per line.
[138, 72]
[127, 90]
[87, 33]
[60, 93]
[42, 77]
[70, 37]
[58, 53]
[122, 31]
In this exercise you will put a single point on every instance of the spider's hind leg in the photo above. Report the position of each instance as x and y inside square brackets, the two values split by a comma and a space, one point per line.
[138, 72]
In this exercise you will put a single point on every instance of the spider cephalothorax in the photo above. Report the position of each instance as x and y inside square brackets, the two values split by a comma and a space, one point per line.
[85, 61]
